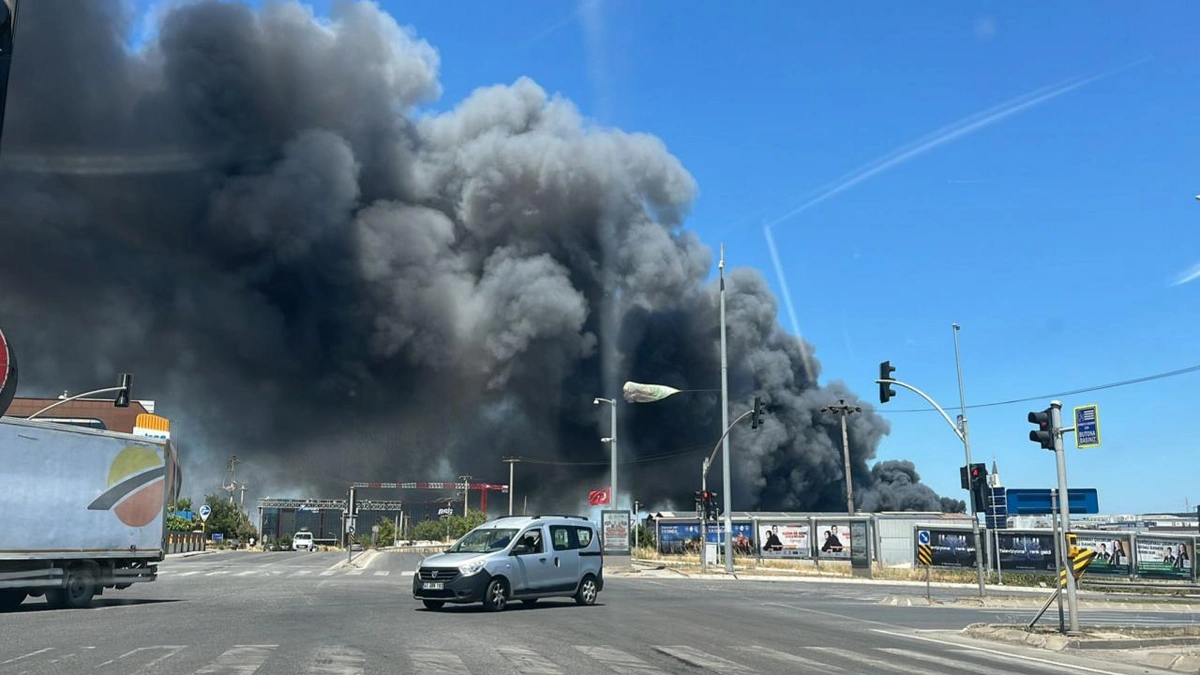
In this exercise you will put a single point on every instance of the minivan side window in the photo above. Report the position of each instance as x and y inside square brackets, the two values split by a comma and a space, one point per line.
[584, 535]
[561, 536]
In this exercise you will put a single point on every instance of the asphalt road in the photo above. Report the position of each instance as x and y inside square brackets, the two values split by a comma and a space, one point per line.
[298, 613]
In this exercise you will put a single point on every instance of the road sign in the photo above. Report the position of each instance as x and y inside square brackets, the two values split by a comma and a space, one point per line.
[923, 537]
[350, 529]
[218, 537]
[924, 555]
[1080, 560]
[1037, 501]
[205, 512]
[1087, 426]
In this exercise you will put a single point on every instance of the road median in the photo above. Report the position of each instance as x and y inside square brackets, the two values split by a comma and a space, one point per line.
[1169, 648]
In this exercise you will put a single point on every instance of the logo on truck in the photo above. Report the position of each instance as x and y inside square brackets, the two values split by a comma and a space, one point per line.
[136, 481]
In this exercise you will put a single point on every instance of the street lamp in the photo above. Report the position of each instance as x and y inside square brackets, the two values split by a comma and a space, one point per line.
[612, 440]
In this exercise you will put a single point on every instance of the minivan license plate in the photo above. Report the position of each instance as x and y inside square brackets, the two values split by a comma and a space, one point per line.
[433, 585]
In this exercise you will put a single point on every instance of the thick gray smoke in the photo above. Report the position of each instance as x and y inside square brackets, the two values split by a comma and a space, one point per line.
[250, 216]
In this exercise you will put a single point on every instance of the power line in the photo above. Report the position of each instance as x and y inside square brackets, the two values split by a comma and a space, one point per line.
[1099, 387]
[649, 458]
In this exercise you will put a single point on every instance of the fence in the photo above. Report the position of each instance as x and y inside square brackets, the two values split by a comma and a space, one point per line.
[184, 542]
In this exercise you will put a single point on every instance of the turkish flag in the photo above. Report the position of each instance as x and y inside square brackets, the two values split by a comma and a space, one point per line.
[599, 497]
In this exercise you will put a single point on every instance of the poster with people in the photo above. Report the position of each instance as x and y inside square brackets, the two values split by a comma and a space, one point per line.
[784, 540]
[1162, 557]
[1112, 552]
[833, 540]
[679, 538]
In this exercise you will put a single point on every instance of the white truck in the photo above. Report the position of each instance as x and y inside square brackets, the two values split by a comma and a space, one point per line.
[81, 510]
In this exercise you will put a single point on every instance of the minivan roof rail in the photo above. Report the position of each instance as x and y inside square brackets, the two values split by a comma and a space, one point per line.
[556, 515]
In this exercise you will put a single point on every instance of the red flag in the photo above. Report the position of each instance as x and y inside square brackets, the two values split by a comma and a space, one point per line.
[599, 497]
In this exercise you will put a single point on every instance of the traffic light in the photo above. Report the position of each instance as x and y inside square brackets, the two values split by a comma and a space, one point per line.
[977, 475]
[125, 392]
[756, 417]
[714, 507]
[885, 390]
[1044, 435]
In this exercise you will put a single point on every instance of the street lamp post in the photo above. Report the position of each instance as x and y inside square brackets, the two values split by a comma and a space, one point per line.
[612, 440]
[725, 423]
[511, 461]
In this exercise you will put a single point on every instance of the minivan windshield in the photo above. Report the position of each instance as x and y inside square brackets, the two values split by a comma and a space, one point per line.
[303, 535]
[482, 541]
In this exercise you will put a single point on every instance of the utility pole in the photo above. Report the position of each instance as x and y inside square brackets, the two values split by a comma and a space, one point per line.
[1064, 509]
[510, 461]
[725, 425]
[231, 484]
[966, 441]
[845, 411]
[8, 29]
[466, 483]
[636, 521]
[612, 441]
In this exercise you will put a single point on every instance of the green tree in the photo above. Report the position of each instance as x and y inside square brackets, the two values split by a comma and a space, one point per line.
[429, 530]
[228, 519]
[387, 533]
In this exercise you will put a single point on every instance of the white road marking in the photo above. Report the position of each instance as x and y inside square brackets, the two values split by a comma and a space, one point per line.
[25, 656]
[384, 573]
[700, 659]
[338, 661]
[874, 664]
[790, 658]
[619, 661]
[240, 660]
[958, 666]
[1020, 659]
[431, 662]
[528, 662]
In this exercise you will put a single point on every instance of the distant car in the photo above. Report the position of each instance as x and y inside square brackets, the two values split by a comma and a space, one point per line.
[303, 541]
[515, 558]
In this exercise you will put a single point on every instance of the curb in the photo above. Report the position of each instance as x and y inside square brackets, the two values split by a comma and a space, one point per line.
[1058, 643]
[189, 554]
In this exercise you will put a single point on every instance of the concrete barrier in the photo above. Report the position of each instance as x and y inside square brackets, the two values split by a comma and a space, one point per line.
[184, 542]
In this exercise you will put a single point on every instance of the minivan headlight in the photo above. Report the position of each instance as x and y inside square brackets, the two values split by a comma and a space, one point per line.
[471, 568]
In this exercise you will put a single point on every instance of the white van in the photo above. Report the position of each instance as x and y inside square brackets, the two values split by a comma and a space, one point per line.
[515, 558]
[303, 541]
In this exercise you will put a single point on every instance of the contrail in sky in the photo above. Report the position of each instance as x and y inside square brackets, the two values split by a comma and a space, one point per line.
[912, 150]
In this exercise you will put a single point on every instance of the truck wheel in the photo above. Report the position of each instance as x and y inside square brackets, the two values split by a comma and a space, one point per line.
[10, 599]
[77, 592]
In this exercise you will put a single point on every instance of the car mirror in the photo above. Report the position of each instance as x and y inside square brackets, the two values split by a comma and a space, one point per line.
[520, 549]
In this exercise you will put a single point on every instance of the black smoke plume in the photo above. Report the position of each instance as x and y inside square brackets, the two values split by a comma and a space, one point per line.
[252, 215]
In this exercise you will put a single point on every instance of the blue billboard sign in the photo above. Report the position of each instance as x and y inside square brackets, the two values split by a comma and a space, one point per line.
[685, 537]
[1037, 501]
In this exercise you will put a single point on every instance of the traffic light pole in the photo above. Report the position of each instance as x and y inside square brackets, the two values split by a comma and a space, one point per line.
[962, 436]
[704, 488]
[966, 441]
[1064, 506]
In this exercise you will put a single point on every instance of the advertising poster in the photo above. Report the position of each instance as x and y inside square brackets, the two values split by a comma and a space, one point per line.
[616, 531]
[784, 540]
[1027, 551]
[1165, 558]
[833, 540]
[1112, 552]
[676, 538]
[951, 548]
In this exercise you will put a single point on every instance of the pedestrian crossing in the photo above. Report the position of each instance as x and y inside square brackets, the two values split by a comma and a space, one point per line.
[554, 659]
[280, 574]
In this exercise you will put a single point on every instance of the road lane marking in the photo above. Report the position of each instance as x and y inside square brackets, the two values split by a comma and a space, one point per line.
[432, 662]
[303, 573]
[354, 573]
[246, 573]
[339, 661]
[188, 574]
[240, 660]
[955, 666]
[172, 651]
[384, 573]
[19, 658]
[873, 664]
[789, 658]
[528, 662]
[1020, 659]
[328, 573]
[619, 661]
[695, 657]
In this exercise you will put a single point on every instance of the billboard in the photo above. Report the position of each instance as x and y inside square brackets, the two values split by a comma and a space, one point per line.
[676, 538]
[1163, 557]
[615, 525]
[833, 540]
[950, 547]
[1112, 552]
[785, 540]
[1026, 551]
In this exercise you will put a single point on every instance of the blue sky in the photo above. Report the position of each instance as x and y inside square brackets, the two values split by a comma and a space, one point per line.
[1053, 234]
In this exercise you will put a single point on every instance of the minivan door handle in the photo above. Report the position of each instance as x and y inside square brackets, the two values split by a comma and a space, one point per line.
[542, 559]
[556, 561]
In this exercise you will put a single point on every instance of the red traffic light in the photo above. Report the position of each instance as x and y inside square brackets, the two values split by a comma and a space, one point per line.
[975, 472]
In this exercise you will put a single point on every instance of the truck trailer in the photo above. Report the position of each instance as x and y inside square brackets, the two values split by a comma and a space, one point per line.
[81, 511]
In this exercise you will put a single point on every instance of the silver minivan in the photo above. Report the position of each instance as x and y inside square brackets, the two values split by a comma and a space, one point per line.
[515, 558]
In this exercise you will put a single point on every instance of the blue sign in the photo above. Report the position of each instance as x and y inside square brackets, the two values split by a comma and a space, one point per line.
[217, 536]
[205, 511]
[923, 537]
[1037, 501]
[1087, 426]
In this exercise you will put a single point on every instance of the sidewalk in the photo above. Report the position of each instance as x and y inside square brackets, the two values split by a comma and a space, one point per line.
[1175, 649]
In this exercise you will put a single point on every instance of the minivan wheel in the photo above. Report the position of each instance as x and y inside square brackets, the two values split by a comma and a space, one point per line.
[586, 595]
[433, 604]
[495, 599]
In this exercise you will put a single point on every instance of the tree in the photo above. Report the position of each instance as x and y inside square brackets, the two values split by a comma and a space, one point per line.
[228, 519]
